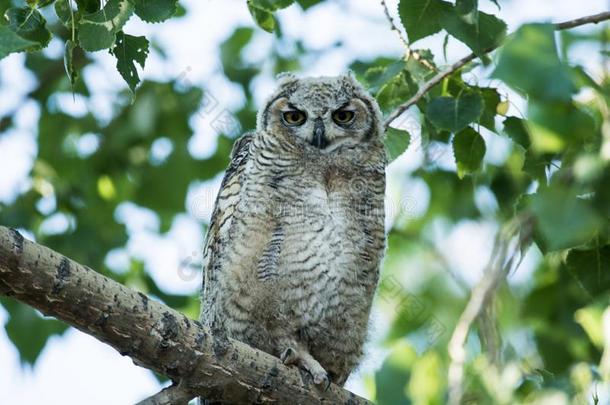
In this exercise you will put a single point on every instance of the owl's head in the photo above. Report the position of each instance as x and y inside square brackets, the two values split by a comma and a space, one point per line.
[325, 112]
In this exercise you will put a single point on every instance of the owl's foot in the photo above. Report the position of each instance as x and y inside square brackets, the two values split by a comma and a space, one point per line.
[306, 361]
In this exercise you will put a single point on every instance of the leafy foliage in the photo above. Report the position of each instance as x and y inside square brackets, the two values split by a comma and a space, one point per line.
[92, 28]
[554, 169]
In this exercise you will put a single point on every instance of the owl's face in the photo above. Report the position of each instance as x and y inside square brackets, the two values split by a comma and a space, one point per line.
[323, 112]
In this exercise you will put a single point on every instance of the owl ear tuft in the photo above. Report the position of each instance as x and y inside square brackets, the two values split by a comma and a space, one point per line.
[286, 78]
[350, 78]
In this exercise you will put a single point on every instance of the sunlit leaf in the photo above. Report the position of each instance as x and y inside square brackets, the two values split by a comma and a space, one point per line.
[98, 30]
[396, 142]
[554, 126]
[262, 12]
[529, 63]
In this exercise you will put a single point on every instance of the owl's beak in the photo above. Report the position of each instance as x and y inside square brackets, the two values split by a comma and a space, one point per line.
[319, 140]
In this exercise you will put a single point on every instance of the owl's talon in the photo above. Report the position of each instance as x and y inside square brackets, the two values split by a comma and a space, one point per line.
[289, 356]
[317, 372]
[305, 361]
[322, 380]
[326, 383]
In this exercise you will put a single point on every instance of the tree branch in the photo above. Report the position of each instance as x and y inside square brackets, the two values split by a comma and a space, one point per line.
[172, 395]
[153, 335]
[591, 19]
[501, 263]
[393, 26]
[436, 79]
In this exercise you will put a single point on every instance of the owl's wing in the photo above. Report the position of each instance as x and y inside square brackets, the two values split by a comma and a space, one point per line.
[222, 215]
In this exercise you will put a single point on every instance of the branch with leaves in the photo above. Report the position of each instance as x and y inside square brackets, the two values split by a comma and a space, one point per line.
[91, 25]
[439, 77]
[153, 335]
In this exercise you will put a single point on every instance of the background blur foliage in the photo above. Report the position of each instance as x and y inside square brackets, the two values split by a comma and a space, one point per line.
[555, 328]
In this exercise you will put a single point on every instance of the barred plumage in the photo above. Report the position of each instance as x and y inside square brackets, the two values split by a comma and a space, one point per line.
[292, 255]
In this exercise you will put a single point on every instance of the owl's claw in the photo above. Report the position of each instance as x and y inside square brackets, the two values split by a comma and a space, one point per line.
[306, 361]
[326, 382]
[289, 356]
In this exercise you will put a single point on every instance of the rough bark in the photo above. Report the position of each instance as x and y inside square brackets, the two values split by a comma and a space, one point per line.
[153, 335]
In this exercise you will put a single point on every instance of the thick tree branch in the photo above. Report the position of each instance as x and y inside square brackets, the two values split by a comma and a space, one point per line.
[436, 79]
[153, 335]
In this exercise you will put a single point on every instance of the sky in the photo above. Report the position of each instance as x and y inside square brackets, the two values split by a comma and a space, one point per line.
[76, 368]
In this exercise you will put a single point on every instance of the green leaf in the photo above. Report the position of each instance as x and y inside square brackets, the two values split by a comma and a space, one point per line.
[455, 113]
[535, 166]
[154, 11]
[29, 24]
[392, 378]
[64, 11]
[98, 30]
[515, 128]
[529, 62]
[11, 42]
[377, 76]
[396, 91]
[591, 317]
[87, 6]
[28, 330]
[262, 17]
[467, 10]
[69, 62]
[591, 268]
[271, 5]
[307, 4]
[396, 142]
[491, 97]
[481, 36]
[128, 50]
[563, 219]
[421, 18]
[39, 3]
[468, 150]
[555, 126]
[262, 12]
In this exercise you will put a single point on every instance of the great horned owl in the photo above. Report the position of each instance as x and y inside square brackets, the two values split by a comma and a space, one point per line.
[292, 254]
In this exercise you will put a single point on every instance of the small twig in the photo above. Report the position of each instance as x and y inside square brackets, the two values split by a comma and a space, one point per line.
[592, 19]
[172, 395]
[499, 266]
[408, 51]
[426, 87]
[467, 59]
[386, 11]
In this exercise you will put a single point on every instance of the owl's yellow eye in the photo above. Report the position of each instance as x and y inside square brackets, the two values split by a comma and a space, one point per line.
[293, 117]
[343, 117]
